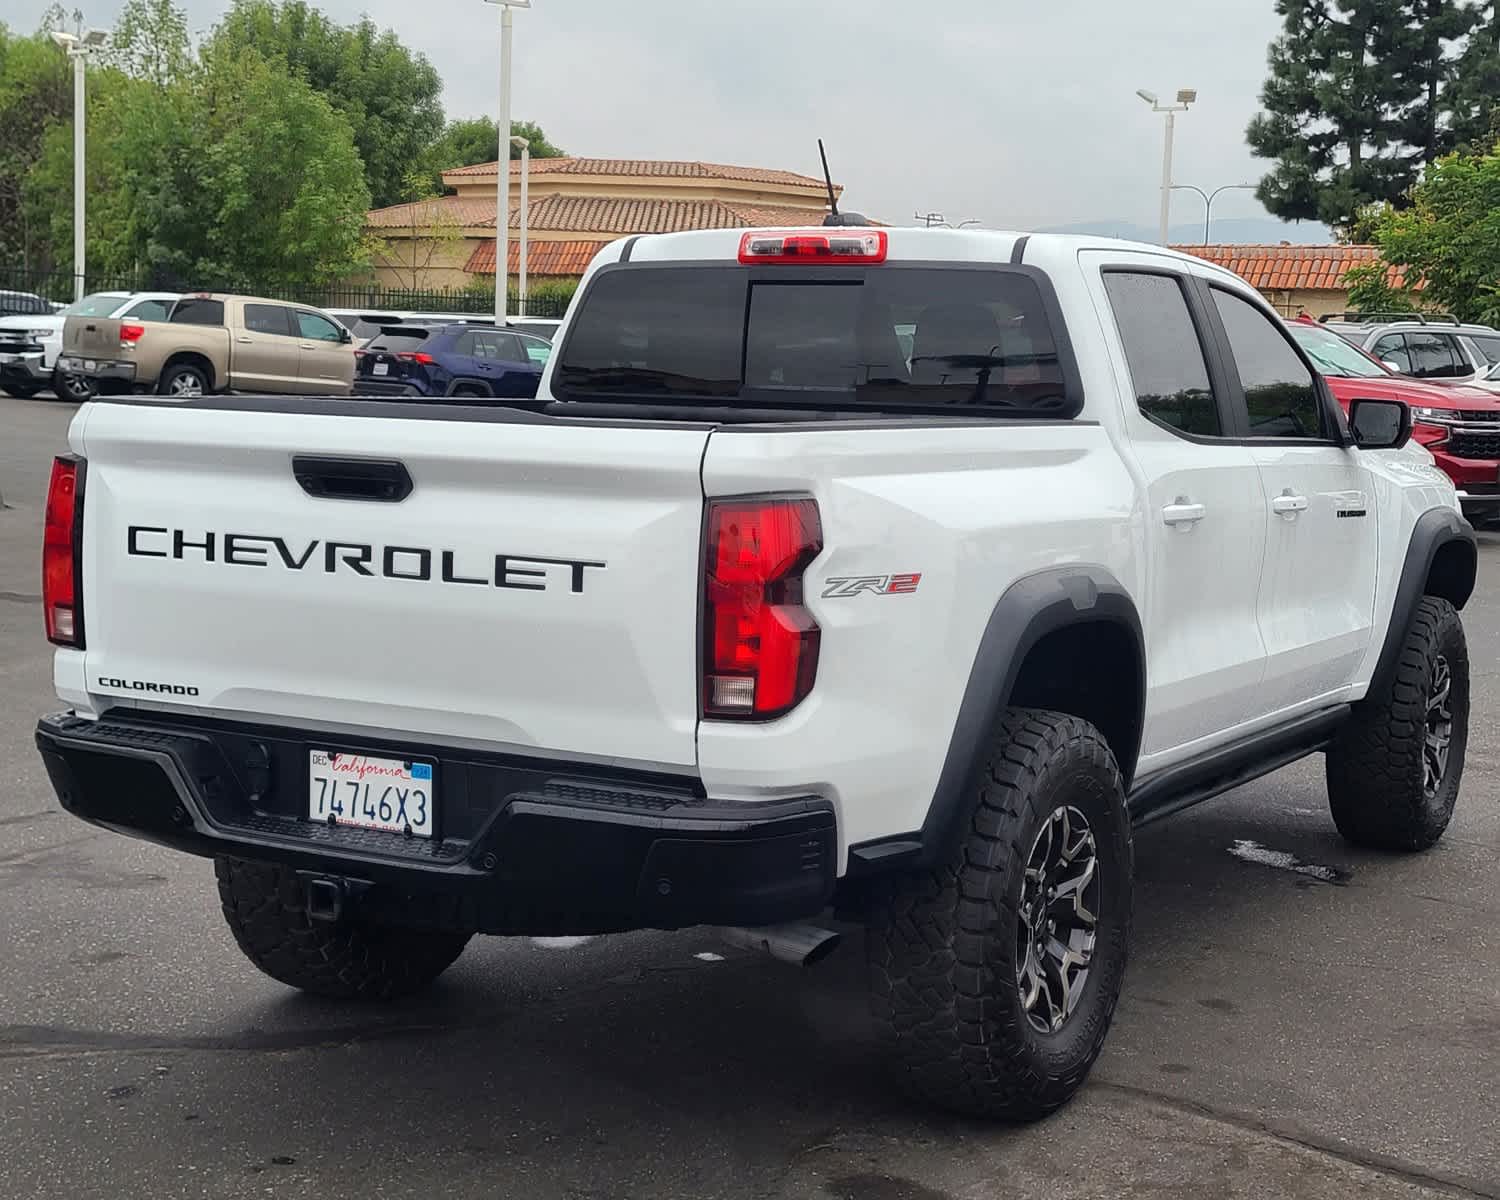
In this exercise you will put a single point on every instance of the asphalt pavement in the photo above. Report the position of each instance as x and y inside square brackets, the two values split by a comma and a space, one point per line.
[1285, 1030]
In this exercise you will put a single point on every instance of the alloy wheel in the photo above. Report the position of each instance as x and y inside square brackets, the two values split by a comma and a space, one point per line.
[1439, 730]
[1058, 919]
[186, 385]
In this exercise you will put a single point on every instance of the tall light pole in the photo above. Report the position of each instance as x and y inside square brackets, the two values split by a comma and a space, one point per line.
[1208, 201]
[524, 147]
[1185, 97]
[78, 47]
[502, 172]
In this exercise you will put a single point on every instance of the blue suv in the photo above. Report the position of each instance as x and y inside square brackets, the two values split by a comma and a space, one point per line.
[450, 360]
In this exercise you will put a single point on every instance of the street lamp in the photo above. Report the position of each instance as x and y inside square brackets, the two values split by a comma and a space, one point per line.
[524, 147]
[1208, 200]
[1185, 97]
[78, 47]
[502, 172]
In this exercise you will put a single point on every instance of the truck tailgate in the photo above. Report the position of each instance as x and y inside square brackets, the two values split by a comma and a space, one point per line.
[537, 588]
[92, 337]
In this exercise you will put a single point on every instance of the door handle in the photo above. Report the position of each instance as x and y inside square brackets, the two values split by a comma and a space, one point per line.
[1289, 505]
[1183, 512]
[242, 338]
[306, 346]
[331, 478]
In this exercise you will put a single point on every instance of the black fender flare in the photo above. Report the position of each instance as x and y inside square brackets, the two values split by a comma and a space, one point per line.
[1434, 529]
[1029, 610]
[466, 381]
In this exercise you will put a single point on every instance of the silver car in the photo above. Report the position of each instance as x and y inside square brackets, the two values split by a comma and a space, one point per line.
[1433, 348]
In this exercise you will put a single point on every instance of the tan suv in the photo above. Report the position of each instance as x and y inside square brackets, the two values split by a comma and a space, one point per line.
[212, 342]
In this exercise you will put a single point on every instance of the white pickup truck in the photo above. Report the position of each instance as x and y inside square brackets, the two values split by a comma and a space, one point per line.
[896, 571]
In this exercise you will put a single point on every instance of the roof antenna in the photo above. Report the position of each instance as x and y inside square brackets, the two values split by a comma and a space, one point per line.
[835, 217]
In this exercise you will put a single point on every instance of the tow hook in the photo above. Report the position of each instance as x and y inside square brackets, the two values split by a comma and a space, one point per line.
[330, 897]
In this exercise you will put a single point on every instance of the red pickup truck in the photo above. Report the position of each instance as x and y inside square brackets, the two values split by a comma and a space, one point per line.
[1459, 425]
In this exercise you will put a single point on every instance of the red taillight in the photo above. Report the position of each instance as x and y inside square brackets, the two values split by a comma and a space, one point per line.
[418, 357]
[62, 598]
[131, 333]
[846, 246]
[1429, 435]
[760, 645]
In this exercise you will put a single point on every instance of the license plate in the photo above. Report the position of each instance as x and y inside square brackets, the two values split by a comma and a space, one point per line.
[11, 358]
[392, 794]
[90, 365]
[382, 368]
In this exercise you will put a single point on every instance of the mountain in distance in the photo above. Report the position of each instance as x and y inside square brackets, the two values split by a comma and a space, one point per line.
[1265, 231]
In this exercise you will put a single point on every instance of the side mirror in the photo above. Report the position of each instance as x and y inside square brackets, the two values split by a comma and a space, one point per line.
[1380, 424]
[1392, 366]
[345, 337]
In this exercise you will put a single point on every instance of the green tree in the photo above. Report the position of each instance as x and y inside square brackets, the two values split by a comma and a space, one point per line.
[1474, 100]
[36, 92]
[474, 140]
[1353, 103]
[1447, 241]
[150, 42]
[388, 95]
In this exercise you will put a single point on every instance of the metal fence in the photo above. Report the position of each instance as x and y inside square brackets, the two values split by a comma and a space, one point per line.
[60, 287]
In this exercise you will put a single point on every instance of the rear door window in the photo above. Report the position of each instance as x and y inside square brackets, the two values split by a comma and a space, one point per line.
[1435, 356]
[268, 318]
[975, 340]
[1163, 352]
[195, 310]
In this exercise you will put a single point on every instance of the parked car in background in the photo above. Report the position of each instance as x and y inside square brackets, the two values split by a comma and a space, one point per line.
[364, 324]
[22, 304]
[450, 360]
[30, 345]
[1460, 426]
[212, 342]
[1434, 348]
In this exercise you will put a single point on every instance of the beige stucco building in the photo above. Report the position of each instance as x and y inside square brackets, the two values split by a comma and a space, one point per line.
[576, 206]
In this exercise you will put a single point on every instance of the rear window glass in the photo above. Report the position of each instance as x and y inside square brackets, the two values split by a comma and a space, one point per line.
[887, 337]
[398, 342]
[193, 311]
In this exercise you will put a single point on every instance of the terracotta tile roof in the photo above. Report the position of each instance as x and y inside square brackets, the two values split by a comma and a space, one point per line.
[426, 213]
[542, 258]
[1296, 268]
[656, 168]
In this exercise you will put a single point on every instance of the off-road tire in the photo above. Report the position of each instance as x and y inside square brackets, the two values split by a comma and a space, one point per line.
[266, 908]
[942, 944]
[21, 391]
[1375, 771]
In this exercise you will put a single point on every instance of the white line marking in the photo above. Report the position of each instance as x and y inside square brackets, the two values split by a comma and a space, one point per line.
[1254, 852]
[709, 956]
[559, 943]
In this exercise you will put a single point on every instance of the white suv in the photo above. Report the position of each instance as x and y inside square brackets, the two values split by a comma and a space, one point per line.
[760, 607]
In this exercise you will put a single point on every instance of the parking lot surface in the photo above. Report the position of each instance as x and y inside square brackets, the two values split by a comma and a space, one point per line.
[1285, 1030]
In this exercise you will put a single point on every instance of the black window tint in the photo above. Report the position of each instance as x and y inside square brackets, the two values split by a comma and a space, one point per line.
[1280, 395]
[658, 332]
[1392, 349]
[398, 341]
[267, 318]
[193, 311]
[1434, 356]
[1163, 351]
[508, 347]
[819, 338]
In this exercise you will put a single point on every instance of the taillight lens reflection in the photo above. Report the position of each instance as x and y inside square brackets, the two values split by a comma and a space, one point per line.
[61, 598]
[760, 643]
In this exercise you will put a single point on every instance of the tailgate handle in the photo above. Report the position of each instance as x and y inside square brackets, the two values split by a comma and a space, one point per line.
[383, 480]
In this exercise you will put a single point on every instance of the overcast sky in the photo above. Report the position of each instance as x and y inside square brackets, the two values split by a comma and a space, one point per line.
[1015, 112]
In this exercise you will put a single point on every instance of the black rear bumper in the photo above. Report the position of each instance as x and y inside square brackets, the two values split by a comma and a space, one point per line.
[521, 846]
